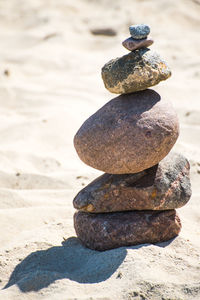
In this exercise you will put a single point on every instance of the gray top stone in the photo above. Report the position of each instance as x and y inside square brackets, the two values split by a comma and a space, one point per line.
[139, 31]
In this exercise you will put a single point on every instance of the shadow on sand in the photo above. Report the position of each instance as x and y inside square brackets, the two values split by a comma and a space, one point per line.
[71, 260]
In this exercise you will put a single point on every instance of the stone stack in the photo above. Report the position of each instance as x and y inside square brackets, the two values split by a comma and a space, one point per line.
[129, 139]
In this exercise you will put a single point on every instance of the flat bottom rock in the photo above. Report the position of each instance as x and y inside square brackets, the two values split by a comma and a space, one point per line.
[112, 230]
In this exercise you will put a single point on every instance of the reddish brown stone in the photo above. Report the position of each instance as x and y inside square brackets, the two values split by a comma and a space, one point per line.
[164, 186]
[106, 231]
[132, 44]
[129, 134]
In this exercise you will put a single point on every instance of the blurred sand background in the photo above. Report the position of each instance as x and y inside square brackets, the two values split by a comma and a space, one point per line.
[50, 83]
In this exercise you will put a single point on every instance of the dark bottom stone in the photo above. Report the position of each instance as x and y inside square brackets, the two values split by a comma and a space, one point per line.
[112, 230]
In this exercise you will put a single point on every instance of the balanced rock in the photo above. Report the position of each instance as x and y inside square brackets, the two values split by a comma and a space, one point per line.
[135, 71]
[133, 44]
[161, 187]
[139, 31]
[129, 134]
[112, 230]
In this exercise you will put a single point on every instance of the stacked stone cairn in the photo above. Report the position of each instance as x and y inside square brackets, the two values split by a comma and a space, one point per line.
[130, 139]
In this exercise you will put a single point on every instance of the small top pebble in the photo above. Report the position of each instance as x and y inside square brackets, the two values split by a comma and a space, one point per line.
[140, 31]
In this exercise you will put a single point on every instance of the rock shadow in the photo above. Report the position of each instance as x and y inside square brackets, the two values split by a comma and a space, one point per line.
[165, 244]
[137, 102]
[71, 260]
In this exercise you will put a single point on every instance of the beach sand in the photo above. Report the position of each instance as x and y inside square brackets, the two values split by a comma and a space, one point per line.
[50, 84]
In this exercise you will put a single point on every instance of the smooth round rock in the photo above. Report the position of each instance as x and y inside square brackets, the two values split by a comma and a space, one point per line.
[164, 186]
[107, 231]
[129, 134]
[132, 44]
[139, 31]
[135, 71]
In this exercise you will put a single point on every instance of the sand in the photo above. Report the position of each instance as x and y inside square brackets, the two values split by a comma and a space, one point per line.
[50, 83]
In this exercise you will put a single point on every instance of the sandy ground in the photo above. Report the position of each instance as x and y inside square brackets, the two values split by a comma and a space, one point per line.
[50, 83]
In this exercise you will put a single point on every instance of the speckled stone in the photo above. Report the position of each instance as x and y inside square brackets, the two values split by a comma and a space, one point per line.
[139, 31]
[161, 187]
[129, 134]
[135, 71]
[107, 231]
[132, 44]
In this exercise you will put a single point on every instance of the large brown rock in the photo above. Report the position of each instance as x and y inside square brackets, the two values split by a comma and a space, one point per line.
[129, 134]
[112, 230]
[135, 71]
[164, 186]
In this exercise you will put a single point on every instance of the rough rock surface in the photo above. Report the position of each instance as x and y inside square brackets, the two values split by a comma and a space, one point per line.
[164, 186]
[129, 134]
[139, 31]
[133, 44]
[112, 230]
[135, 71]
